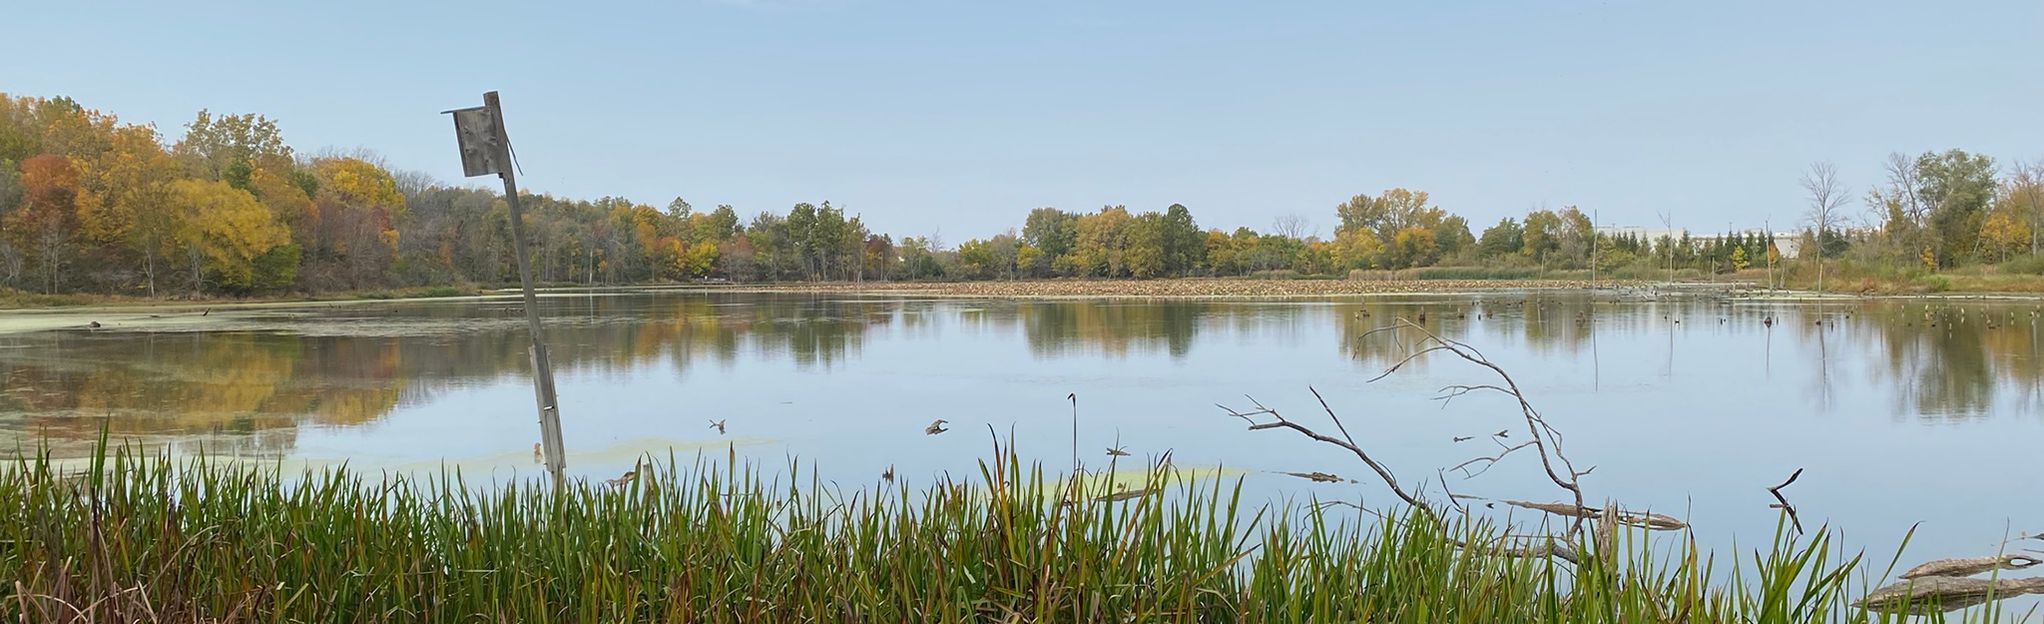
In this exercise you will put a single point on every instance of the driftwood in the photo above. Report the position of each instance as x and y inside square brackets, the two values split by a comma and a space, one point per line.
[1320, 477]
[1924, 596]
[1969, 566]
[1652, 521]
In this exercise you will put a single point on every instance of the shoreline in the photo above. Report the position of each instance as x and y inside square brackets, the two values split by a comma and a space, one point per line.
[1188, 288]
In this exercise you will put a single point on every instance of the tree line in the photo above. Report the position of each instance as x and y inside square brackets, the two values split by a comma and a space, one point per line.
[91, 204]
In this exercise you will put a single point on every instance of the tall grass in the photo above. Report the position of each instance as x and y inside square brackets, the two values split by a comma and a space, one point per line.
[139, 537]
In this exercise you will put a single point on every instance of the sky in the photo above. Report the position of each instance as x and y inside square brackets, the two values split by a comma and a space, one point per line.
[956, 118]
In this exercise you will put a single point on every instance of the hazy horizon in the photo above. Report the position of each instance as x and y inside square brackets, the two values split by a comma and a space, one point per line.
[926, 117]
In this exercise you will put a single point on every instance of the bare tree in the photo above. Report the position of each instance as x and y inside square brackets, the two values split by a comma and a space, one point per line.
[1292, 225]
[1826, 196]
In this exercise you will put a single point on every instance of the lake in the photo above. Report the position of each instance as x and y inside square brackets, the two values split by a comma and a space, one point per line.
[1899, 411]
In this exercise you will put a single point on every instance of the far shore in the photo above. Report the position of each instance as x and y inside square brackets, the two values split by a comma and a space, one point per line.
[19, 311]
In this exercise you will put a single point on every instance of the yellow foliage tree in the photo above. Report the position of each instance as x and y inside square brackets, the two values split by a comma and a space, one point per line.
[2003, 234]
[222, 229]
[287, 202]
[1357, 248]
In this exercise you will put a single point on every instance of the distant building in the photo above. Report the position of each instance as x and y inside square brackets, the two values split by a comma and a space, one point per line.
[1789, 243]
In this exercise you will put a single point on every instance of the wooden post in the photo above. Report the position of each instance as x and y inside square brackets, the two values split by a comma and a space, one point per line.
[542, 365]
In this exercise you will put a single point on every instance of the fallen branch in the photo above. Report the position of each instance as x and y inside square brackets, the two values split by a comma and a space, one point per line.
[1647, 520]
[1345, 442]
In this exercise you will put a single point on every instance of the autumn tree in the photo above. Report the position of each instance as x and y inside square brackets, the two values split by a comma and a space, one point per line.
[2022, 197]
[1101, 243]
[47, 221]
[354, 223]
[223, 230]
[231, 146]
[124, 202]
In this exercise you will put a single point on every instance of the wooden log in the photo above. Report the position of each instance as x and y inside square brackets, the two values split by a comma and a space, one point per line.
[1969, 566]
[1931, 594]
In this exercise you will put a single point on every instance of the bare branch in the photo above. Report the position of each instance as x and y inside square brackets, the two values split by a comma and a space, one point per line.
[1783, 504]
[1490, 460]
[1281, 422]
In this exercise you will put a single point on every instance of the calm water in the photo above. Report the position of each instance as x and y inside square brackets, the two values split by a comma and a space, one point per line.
[1901, 411]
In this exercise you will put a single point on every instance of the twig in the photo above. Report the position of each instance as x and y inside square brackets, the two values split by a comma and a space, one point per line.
[1783, 504]
[1490, 460]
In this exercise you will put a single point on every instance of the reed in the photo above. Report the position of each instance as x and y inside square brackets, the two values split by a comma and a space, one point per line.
[142, 537]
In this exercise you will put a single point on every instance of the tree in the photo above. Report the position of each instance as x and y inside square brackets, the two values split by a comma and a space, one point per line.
[1499, 240]
[1411, 247]
[1146, 252]
[223, 230]
[1452, 236]
[1292, 225]
[720, 224]
[1386, 214]
[48, 217]
[1827, 196]
[1102, 239]
[1958, 187]
[2023, 194]
[1357, 248]
[1054, 231]
[1540, 236]
[213, 145]
[1184, 245]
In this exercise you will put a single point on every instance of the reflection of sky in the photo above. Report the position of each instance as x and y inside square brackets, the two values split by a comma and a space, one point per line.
[1898, 413]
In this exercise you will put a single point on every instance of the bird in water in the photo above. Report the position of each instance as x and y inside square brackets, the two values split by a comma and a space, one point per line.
[94, 324]
[718, 425]
[935, 427]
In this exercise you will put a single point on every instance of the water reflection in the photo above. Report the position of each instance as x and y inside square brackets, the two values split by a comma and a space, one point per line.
[246, 383]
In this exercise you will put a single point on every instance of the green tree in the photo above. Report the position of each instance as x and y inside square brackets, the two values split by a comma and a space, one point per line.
[1147, 252]
[1958, 187]
[1184, 244]
[1540, 237]
[1054, 231]
[1502, 239]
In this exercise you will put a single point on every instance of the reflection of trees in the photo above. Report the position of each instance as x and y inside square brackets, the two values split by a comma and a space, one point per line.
[353, 369]
[1954, 357]
[1114, 327]
[248, 386]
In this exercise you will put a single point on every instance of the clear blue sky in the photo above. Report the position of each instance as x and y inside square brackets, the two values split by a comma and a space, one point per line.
[961, 116]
